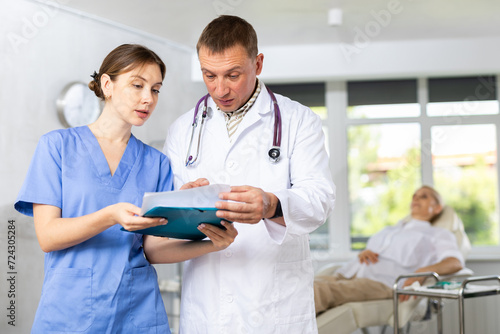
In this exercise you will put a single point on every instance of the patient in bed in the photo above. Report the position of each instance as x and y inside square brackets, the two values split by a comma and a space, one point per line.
[412, 245]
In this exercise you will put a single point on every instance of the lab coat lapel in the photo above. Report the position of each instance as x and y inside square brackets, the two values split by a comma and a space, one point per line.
[260, 108]
[216, 126]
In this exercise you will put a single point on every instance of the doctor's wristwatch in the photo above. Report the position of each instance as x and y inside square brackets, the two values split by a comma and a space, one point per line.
[279, 212]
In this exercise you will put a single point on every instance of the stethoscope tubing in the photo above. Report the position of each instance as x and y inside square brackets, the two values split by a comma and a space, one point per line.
[189, 158]
[277, 120]
[274, 152]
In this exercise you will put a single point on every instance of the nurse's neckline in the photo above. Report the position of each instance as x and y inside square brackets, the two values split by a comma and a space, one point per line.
[99, 134]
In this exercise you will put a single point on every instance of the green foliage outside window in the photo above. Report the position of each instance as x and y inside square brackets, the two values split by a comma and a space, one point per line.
[379, 199]
[471, 191]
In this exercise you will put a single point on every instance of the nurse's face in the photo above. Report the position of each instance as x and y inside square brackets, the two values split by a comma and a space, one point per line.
[230, 76]
[134, 94]
[423, 205]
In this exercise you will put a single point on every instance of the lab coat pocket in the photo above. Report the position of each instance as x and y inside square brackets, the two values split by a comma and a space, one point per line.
[147, 308]
[294, 297]
[275, 176]
[67, 300]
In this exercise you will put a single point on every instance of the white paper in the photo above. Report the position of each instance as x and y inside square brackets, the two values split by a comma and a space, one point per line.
[200, 197]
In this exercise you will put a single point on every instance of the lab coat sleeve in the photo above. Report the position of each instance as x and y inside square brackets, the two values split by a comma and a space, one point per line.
[172, 149]
[310, 199]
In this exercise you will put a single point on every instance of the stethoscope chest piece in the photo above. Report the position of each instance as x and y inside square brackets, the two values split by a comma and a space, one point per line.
[274, 154]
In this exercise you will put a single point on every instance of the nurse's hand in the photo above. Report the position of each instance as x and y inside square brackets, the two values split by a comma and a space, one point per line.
[128, 216]
[220, 238]
[195, 184]
[248, 205]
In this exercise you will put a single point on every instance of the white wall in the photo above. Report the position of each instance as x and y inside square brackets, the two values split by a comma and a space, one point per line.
[378, 60]
[382, 60]
[41, 50]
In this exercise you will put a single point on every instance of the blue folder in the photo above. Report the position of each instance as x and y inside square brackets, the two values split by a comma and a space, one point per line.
[182, 222]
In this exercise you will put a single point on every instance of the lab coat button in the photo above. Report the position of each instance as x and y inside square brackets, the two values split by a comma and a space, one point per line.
[229, 298]
[229, 253]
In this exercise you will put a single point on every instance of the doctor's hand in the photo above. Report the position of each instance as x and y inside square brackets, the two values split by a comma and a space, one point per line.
[127, 215]
[220, 238]
[368, 257]
[195, 184]
[250, 205]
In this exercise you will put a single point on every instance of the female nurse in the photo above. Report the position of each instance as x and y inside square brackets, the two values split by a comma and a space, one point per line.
[83, 185]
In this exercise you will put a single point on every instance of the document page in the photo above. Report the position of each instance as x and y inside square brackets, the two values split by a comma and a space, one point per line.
[200, 197]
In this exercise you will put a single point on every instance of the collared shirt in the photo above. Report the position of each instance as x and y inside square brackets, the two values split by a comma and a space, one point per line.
[234, 118]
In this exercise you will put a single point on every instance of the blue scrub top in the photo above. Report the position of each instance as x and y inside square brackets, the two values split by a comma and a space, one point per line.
[105, 284]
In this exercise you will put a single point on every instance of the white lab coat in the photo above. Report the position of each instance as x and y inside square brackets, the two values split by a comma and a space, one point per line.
[263, 282]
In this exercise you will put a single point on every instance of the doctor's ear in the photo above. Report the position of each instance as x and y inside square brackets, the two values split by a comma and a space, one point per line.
[259, 63]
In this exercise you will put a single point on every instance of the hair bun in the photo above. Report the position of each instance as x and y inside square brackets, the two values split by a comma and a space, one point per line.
[94, 86]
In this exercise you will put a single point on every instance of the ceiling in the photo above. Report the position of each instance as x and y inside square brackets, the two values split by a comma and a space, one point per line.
[290, 22]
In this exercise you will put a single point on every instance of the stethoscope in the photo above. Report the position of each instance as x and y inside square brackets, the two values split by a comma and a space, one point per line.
[274, 152]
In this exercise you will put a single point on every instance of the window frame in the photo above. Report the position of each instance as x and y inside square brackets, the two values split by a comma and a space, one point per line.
[337, 124]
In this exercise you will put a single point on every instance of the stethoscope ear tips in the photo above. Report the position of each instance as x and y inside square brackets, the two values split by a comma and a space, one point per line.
[274, 154]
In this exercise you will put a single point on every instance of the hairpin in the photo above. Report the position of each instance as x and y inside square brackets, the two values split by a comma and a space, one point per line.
[95, 76]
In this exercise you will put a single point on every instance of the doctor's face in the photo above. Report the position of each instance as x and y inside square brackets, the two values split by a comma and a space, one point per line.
[230, 76]
[134, 94]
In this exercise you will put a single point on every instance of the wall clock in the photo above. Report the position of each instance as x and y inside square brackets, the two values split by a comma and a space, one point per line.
[77, 105]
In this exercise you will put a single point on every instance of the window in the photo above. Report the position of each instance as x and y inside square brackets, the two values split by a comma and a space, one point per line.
[382, 99]
[464, 169]
[386, 138]
[464, 151]
[400, 134]
[384, 168]
[383, 157]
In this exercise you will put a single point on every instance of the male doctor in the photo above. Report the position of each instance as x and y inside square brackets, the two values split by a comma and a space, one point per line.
[263, 282]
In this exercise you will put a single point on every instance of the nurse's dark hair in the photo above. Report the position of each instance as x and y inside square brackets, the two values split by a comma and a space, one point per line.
[227, 31]
[124, 58]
